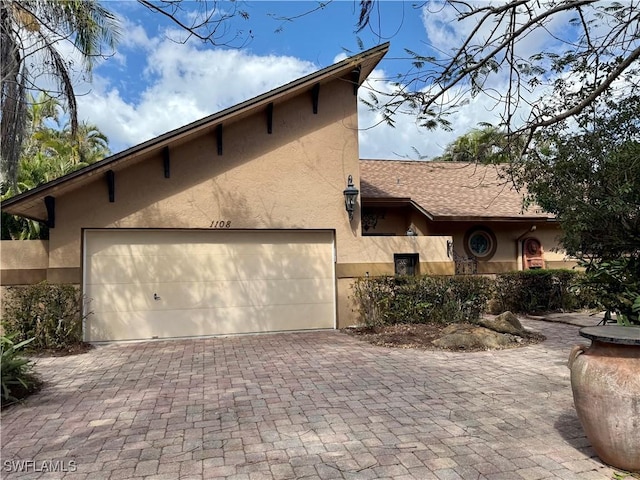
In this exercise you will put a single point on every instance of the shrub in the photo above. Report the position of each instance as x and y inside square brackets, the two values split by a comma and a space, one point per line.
[441, 299]
[531, 291]
[616, 285]
[372, 297]
[16, 372]
[51, 314]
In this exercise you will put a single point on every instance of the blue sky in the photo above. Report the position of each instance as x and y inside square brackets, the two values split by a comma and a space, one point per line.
[153, 84]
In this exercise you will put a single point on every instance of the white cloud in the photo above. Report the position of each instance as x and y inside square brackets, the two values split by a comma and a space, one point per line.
[338, 58]
[408, 139]
[178, 83]
[446, 33]
[184, 84]
[134, 36]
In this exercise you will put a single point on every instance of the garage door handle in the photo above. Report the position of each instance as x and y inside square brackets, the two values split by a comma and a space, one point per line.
[156, 296]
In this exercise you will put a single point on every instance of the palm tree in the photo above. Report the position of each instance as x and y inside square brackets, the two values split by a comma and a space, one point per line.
[48, 153]
[40, 112]
[88, 144]
[31, 31]
[486, 145]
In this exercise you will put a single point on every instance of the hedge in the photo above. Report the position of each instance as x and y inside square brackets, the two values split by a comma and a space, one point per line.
[442, 299]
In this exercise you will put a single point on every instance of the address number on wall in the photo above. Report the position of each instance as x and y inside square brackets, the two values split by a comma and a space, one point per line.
[220, 224]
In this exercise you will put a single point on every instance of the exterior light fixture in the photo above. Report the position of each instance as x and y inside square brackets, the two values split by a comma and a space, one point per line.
[350, 196]
[411, 232]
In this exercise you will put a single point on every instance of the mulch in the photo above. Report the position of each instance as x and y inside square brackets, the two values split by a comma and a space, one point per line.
[74, 349]
[419, 336]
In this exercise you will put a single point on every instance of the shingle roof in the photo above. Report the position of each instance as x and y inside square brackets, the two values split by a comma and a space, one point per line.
[447, 190]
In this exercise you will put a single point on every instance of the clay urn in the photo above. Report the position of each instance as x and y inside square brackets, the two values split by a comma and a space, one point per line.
[605, 379]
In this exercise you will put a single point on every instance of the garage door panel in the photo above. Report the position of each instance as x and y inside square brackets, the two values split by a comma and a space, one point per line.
[258, 267]
[202, 268]
[207, 282]
[131, 242]
[201, 322]
[140, 297]
[302, 267]
[171, 296]
[147, 269]
[214, 295]
[297, 292]
[107, 269]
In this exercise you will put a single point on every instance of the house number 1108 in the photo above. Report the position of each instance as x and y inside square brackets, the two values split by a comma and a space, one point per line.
[221, 224]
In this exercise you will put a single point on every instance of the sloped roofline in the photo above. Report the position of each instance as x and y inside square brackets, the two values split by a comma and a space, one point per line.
[408, 201]
[412, 202]
[366, 60]
[395, 202]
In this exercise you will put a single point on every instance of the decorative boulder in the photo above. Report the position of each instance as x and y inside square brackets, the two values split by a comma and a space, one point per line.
[506, 322]
[471, 337]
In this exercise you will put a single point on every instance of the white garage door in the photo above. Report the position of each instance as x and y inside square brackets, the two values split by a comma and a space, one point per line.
[174, 283]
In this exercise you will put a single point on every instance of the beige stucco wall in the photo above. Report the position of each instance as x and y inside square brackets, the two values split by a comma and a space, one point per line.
[373, 256]
[291, 179]
[23, 262]
[507, 257]
[553, 253]
[396, 221]
[391, 221]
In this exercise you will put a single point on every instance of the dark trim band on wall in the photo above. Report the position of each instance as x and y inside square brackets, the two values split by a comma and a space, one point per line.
[111, 184]
[357, 270]
[315, 96]
[22, 277]
[166, 160]
[50, 205]
[64, 275]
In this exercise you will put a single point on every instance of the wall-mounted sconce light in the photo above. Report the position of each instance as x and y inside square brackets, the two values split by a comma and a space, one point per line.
[449, 248]
[350, 196]
[411, 232]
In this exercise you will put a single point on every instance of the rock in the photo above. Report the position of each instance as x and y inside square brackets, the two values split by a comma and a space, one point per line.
[506, 322]
[511, 318]
[471, 337]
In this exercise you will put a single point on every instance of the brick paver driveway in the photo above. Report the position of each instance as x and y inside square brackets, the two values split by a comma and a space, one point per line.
[302, 405]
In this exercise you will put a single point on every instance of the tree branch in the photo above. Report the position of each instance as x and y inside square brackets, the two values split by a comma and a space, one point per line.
[501, 46]
[589, 99]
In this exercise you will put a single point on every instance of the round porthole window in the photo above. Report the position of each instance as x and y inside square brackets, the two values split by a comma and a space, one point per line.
[480, 243]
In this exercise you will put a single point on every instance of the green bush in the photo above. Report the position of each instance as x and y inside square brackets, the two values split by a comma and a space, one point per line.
[532, 291]
[49, 313]
[424, 299]
[372, 297]
[616, 285]
[16, 372]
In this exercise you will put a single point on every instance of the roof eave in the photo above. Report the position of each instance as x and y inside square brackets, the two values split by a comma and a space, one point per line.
[407, 201]
[367, 60]
[480, 218]
[395, 201]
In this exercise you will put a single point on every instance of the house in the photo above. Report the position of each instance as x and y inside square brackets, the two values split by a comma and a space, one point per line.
[476, 205]
[238, 223]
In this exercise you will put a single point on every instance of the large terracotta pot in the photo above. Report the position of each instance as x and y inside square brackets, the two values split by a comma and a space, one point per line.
[605, 379]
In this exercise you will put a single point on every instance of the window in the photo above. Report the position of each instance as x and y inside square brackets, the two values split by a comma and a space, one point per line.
[405, 263]
[481, 243]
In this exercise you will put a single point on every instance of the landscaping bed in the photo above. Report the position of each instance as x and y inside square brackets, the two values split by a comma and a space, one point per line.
[466, 337]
